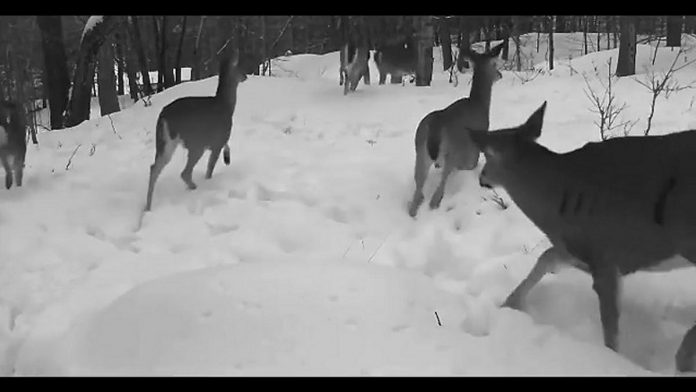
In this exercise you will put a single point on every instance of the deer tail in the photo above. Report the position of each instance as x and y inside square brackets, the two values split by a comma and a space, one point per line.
[226, 154]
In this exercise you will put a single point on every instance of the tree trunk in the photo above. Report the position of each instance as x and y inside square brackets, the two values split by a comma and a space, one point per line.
[166, 69]
[424, 46]
[108, 101]
[177, 75]
[83, 80]
[120, 88]
[515, 32]
[130, 62]
[196, 69]
[560, 23]
[626, 64]
[464, 40]
[55, 67]
[134, 33]
[446, 42]
[550, 32]
[674, 30]
[584, 32]
[607, 26]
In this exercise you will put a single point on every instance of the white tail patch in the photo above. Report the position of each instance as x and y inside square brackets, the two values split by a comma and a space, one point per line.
[169, 143]
[3, 136]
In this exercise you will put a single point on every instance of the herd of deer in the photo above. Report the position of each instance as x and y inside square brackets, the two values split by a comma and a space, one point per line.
[609, 208]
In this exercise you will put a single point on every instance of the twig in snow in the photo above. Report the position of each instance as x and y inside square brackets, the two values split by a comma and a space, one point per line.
[67, 167]
[438, 319]
[113, 127]
[377, 250]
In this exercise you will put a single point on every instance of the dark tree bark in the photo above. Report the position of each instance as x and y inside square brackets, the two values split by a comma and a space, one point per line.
[130, 61]
[560, 23]
[626, 64]
[165, 68]
[196, 68]
[550, 32]
[108, 101]
[446, 42]
[584, 33]
[83, 80]
[515, 32]
[424, 45]
[177, 75]
[674, 30]
[134, 33]
[55, 67]
[120, 67]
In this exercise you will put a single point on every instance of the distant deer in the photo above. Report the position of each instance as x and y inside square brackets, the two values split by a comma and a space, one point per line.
[13, 142]
[608, 208]
[199, 123]
[443, 135]
[396, 60]
[354, 66]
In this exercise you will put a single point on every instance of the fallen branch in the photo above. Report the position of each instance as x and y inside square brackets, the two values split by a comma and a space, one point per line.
[67, 167]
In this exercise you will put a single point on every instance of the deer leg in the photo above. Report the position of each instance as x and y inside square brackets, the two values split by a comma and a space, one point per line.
[545, 264]
[18, 170]
[686, 355]
[8, 171]
[440, 191]
[606, 285]
[423, 163]
[194, 155]
[212, 161]
[382, 77]
[161, 160]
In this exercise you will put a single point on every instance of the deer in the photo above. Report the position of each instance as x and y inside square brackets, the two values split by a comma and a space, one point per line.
[199, 123]
[608, 208]
[13, 142]
[395, 60]
[442, 136]
[354, 66]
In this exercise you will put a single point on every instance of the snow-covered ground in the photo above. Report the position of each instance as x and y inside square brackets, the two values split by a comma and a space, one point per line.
[300, 258]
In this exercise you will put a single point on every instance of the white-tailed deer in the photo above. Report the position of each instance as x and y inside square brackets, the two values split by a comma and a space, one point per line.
[609, 208]
[13, 142]
[354, 66]
[396, 60]
[443, 135]
[199, 123]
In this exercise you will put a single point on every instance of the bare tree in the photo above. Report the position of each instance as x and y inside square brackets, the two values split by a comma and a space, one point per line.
[55, 66]
[177, 75]
[550, 32]
[663, 84]
[83, 79]
[106, 81]
[137, 44]
[445, 42]
[604, 104]
[626, 64]
[674, 30]
[424, 46]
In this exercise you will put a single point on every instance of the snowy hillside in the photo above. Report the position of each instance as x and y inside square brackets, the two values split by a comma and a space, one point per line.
[300, 258]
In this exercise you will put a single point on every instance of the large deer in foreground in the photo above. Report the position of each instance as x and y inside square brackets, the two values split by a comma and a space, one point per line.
[199, 123]
[609, 208]
[443, 135]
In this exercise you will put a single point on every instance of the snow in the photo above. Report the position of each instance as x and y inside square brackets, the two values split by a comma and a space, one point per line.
[300, 258]
[91, 23]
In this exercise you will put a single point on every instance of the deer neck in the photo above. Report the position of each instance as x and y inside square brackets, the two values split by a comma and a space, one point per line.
[481, 88]
[536, 187]
[226, 93]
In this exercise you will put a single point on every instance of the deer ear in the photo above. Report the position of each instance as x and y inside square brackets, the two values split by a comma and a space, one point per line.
[234, 57]
[532, 128]
[495, 52]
